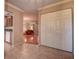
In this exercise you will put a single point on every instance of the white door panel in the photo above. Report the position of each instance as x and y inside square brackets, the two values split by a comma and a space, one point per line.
[8, 36]
[56, 29]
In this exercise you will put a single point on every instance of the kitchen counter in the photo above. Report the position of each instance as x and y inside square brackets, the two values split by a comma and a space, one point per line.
[8, 28]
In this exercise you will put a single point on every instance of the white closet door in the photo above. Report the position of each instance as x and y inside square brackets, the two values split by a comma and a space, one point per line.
[56, 29]
[8, 36]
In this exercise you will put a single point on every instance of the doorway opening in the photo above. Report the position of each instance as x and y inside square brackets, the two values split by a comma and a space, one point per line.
[30, 32]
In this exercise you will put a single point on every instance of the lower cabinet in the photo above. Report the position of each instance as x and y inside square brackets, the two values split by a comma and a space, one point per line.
[8, 36]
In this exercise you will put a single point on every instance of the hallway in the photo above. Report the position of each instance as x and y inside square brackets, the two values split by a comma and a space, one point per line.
[29, 51]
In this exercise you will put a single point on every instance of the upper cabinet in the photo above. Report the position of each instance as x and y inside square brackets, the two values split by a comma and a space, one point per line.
[8, 19]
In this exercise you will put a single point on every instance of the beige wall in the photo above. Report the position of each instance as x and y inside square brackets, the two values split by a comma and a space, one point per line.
[31, 16]
[17, 25]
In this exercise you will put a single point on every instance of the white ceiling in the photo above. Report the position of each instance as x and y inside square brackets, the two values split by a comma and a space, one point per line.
[31, 5]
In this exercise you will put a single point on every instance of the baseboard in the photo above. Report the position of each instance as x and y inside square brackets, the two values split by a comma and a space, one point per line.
[56, 48]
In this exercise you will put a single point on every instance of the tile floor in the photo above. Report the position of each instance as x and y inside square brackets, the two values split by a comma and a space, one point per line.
[30, 51]
[32, 39]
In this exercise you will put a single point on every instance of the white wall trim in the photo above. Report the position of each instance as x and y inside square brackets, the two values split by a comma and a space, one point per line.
[11, 5]
[54, 4]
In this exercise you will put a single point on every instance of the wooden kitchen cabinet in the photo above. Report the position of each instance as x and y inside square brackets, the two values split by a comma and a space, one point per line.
[8, 21]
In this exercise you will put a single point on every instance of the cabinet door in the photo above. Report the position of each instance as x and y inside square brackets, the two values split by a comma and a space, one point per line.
[8, 21]
[8, 36]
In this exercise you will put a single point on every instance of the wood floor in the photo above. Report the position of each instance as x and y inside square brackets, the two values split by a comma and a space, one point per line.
[30, 51]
